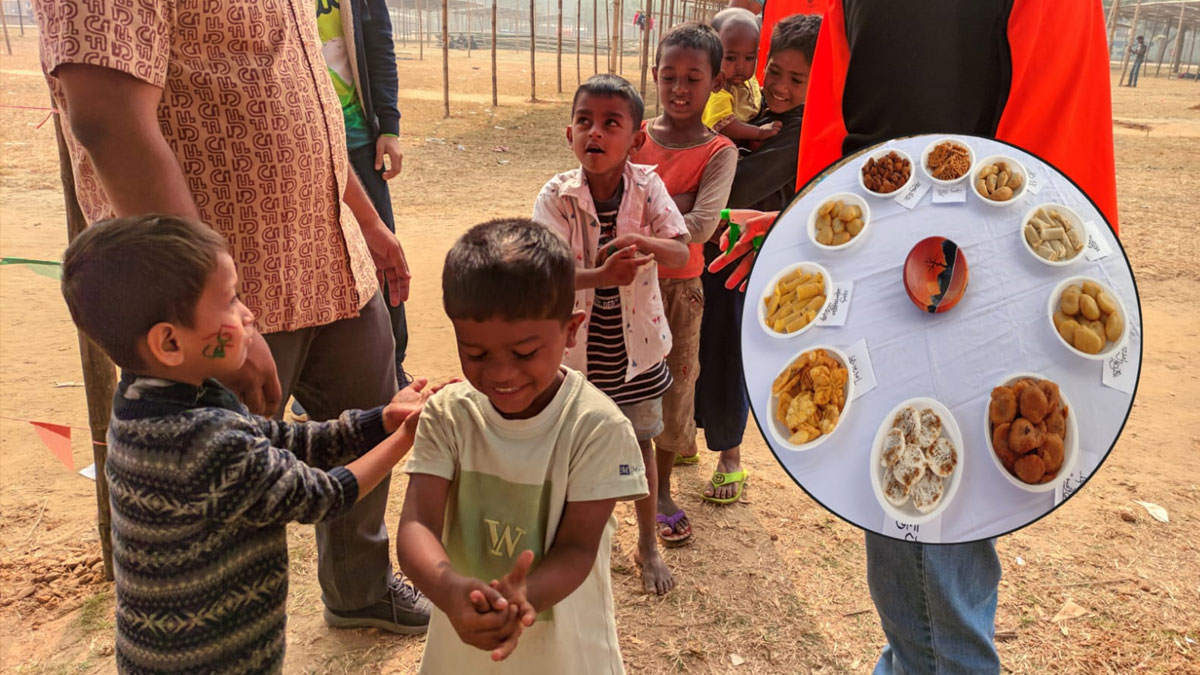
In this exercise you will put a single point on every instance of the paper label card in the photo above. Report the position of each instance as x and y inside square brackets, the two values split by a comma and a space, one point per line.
[930, 533]
[912, 195]
[860, 368]
[1034, 181]
[1073, 481]
[1097, 247]
[950, 194]
[1119, 372]
[838, 306]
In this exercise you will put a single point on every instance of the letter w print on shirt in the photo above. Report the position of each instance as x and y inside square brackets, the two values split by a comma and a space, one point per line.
[504, 540]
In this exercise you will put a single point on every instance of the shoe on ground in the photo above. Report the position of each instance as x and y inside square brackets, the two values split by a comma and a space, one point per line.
[403, 609]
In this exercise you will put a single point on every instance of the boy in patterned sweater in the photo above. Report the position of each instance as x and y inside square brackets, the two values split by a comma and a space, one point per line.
[200, 489]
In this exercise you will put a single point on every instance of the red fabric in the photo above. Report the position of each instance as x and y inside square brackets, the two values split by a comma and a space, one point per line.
[1059, 105]
[680, 170]
[773, 11]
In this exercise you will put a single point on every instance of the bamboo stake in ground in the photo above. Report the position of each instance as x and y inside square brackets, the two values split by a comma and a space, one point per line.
[1113, 15]
[532, 54]
[560, 46]
[99, 374]
[595, 39]
[495, 102]
[1175, 47]
[578, 37]
[446, 58]
[420, 31]
[4, 21]
[646, 17]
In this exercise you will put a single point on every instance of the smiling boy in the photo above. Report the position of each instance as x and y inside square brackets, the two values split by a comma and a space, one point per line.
[516, 471]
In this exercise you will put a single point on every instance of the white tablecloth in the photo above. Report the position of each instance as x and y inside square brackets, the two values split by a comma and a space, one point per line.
[999, 327]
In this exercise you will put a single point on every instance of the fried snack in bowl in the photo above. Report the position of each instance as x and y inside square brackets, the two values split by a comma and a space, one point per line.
[1088, 317]
[1034, 456]
[886, 172]
[839, 221]
[947, 161]
[810, 398]
[1054, 234]
[794, 299]
[998, 180]
[915, 481]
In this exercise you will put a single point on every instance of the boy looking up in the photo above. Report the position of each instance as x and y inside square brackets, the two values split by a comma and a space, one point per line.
[516, 472]
[621, 223]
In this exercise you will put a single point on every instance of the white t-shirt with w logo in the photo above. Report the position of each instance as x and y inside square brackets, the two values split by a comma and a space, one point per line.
[510, 481]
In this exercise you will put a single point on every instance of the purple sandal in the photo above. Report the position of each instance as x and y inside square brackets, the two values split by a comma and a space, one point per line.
[675, 539]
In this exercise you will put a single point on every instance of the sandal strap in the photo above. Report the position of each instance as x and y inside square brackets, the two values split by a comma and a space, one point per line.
[672, 520]
[719, 478]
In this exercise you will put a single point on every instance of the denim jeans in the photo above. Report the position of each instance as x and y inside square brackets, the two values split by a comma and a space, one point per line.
[1133, 74]
[363, 161]
[936, 604]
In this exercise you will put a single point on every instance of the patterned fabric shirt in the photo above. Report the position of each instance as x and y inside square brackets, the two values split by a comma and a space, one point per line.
[565, 205]
[200, 493]
[250, 112]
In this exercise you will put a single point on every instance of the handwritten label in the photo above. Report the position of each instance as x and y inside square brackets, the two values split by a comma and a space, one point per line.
[912, 195]
[1097, 245]
[838, 307]
[1070, 484]
[860, 368]
[1118, 372]
[930, 533]
[1033, 181]
[88, 471]
[950, 194]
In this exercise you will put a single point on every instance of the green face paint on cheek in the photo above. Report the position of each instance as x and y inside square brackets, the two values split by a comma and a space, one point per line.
[215, 349]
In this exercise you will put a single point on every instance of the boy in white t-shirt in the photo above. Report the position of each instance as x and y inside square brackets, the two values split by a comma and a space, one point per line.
[514, 473]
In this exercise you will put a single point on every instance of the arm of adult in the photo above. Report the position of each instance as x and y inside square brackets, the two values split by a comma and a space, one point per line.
[385, 248]
[114, 116]
[384, 84]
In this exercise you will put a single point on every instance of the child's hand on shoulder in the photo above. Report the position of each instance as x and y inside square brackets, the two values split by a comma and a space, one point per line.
[408, 403]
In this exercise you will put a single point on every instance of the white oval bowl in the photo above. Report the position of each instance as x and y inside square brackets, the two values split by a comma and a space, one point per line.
[880, 154]
[762, 307]
[1070, 441]
[1056, 297]
[929, 149]
[852, 198]
[781, 433]
[1013, 164]
[909, 513]
[1072, 218]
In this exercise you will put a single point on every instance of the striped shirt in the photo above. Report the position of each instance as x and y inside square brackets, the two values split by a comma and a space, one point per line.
[607, 358]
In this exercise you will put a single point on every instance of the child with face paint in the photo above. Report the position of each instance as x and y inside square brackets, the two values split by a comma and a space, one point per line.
[200, 489]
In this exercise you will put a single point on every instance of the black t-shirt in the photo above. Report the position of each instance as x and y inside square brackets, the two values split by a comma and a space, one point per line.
[924, 66]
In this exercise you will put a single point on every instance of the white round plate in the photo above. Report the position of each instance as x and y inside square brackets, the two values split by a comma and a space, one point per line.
[1070, 441]
[781, 433]
[909, 513]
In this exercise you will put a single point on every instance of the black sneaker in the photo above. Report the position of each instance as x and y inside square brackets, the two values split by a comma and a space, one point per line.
[402, 610]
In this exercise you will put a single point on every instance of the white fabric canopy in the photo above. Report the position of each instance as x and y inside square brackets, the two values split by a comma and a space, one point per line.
[1000, 327]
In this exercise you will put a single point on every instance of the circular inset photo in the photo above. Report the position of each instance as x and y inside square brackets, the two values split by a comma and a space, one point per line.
[917, 396]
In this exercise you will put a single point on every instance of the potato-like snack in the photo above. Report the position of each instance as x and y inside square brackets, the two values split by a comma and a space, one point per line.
[1114, 327]
[1088, 307]
[1052, 452]
[1070, 300]
[1091, 288]
[1087, 340]
[1105, 302]
[1004, 406]
[837, 223]
[1067, 330]
[1033, 404]
[1023, 436]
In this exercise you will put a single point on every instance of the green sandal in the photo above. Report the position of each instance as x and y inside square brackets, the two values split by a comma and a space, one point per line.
[718, 479]
[687, 460]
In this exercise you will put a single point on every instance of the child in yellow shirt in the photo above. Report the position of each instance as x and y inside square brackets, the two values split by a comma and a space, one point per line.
[739, 99]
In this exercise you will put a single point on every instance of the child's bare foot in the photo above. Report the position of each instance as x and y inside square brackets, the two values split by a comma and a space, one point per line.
[656, 578]
[730, 461]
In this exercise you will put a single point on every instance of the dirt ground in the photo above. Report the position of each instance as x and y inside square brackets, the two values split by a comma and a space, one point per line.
[772, 585]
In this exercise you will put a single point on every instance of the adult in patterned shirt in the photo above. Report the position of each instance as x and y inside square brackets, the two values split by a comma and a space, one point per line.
[226, 114]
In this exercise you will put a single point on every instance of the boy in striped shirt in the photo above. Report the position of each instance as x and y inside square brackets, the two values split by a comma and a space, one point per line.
[620, 223]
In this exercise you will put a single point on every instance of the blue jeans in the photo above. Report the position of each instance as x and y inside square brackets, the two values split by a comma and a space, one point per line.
[1133, 74]
[936, 604]
[363, 161]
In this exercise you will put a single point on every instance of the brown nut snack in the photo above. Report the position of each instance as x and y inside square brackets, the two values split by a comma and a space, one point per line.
[887, 174]
[998, 182]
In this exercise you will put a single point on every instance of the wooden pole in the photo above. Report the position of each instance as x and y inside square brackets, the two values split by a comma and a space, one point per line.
[21, 17]
[1114, 15]
[495, 101]
[620, 4]
[99, 374]
[445, 58]
[420, 31]
[1129, 40]
[1178, 44]
[4, 21]
[1176, 47]
[532, 54]
[559, 67]
[611, 40]
[646, 44]
[595, 38]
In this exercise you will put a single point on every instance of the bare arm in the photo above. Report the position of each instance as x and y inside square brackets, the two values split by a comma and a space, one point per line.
[741, 131]
[570, 558]
[115, 117]
[668, 252]
[385, 248]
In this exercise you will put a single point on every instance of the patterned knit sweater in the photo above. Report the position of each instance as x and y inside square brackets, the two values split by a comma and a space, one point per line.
[201, 491]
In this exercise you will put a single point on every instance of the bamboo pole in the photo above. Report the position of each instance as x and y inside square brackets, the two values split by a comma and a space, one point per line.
[1178, 46]
[99, 374]
[578, 39]
[495, 101]
[559, 66]
[609, 18]
[646, 44]
[445, 58]
[21, 17]
[620, 37]
[532, 54]
[4, 21]
[1114, 15]
[1129, 40]
[420, 31]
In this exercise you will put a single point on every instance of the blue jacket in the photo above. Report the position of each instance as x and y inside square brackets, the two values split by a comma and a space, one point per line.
[367, 28]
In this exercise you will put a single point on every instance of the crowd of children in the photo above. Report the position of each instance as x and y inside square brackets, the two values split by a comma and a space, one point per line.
[593, 342]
